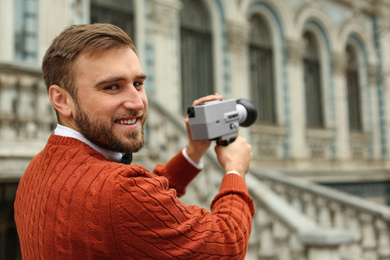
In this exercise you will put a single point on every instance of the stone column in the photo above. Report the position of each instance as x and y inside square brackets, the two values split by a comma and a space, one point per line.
[7, 30]
[7, 112]
[294, 50]
[164, 31]
[46, 112]
[238, 38]
[54, 16]
[343, 152]
[25, 109]
[381, 10]
[323, 253]
[386, 96]
[374, 118]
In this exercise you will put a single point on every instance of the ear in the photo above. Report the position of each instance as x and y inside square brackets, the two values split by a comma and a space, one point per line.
[61, 101]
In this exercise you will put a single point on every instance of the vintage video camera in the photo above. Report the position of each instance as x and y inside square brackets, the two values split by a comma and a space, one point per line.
[220, 120]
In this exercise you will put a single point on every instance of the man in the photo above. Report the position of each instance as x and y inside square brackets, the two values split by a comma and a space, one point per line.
[77, 201]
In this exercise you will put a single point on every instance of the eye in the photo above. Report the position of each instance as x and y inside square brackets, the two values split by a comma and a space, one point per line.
[111, 87]
[138, 84]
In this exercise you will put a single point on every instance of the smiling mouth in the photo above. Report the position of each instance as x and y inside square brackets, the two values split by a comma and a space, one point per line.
[127, 121]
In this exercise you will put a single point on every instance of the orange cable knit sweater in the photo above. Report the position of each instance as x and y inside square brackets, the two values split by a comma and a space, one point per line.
[73, 203]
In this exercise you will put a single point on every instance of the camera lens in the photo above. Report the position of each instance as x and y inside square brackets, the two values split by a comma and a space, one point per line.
[251, 112]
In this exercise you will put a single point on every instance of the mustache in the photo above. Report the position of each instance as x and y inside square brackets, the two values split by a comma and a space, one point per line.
[130, 113]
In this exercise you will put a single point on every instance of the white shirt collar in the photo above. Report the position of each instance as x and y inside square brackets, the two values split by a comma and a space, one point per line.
[69, 132]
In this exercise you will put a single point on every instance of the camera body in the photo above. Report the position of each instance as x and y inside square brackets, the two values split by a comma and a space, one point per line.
[220, 120]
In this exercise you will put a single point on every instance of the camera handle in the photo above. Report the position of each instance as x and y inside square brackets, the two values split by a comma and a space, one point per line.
[225, 142]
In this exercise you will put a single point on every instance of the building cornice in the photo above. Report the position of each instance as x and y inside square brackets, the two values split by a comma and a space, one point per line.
[370, 7]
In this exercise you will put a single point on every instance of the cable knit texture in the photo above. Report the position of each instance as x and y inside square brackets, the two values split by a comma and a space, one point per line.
[72, 203]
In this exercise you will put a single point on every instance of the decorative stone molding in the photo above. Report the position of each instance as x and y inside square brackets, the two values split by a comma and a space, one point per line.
[165, 15]
[268, 140]
[339, 63]
[294, 49]
[372, 73]
[319, 142]
[238, 34]
[360, 145]
[381, 8]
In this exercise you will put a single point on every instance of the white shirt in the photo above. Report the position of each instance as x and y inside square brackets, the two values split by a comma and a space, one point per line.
[69, 132]
[111, 155]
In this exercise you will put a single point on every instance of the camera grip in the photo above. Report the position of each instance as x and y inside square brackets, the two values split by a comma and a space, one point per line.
[225, 142]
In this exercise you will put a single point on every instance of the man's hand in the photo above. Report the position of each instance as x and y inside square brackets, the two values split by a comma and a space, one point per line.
[235, 156]
[196, 149]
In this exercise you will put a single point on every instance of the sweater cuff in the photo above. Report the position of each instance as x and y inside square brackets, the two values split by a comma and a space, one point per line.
[233, 172]
[198, 166]
[234, 185]
[233, 182]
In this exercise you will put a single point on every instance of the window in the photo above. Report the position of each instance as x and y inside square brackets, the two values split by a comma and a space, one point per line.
[312, 79]
[119, 13]
[261, 70]
[26, 30]
[196, 52]
[354, 97]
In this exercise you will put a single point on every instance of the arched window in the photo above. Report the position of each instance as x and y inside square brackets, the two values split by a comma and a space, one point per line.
[353, 90]
[26, 30]
[261, 70]
[196, 52]
[119, 13]
[313, 89]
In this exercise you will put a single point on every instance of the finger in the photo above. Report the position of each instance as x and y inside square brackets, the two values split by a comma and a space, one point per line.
[207, 98]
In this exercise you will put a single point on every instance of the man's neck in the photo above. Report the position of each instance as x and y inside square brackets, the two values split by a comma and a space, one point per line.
[69, 132]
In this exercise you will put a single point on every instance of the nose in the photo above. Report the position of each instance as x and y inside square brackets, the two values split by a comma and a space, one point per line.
[134, 98]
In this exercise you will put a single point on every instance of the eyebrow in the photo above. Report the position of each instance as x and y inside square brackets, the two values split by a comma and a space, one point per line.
[115, 79]
[141, 76]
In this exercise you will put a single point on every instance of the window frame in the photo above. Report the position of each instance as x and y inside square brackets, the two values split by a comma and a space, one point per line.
[354, 97]
[196, 48]
[314, 105]
[261, 59]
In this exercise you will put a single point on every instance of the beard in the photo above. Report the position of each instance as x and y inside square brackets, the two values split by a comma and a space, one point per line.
[104, 135]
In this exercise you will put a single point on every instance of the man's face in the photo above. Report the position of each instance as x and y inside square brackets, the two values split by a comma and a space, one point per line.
[111, 104]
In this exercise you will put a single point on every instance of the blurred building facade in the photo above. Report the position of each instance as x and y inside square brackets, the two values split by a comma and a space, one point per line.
[317, 70]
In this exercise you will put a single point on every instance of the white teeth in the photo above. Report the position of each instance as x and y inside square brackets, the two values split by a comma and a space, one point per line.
[127, 122]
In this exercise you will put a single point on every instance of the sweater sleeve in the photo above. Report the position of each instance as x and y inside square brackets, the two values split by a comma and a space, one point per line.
[178, 171]
[149, 221]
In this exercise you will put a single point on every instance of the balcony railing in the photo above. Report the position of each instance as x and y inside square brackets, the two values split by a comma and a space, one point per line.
[345, 225]
[25, 110]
